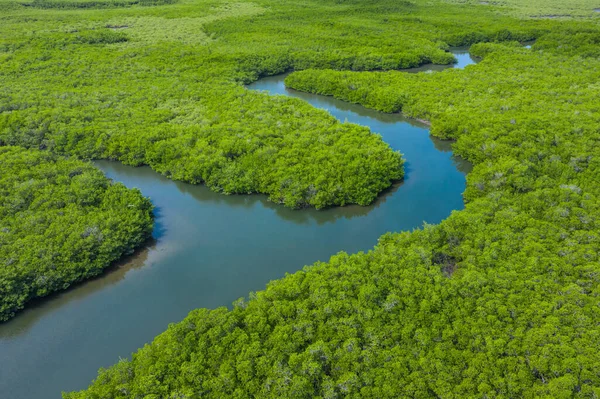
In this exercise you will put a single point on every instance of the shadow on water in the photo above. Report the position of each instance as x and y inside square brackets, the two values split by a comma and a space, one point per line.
[203, 195]
[160, 228]
[460, 164]
[40, 307]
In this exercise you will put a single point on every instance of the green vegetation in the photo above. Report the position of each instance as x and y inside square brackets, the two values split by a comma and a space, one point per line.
[498, 301]
[516, 102]
[160, 85]
[144, 87]
[61, 221]
[526, 247]
[538, 8]
[437, 313]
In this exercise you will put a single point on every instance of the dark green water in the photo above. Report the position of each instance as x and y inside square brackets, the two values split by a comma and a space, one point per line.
[210, 249]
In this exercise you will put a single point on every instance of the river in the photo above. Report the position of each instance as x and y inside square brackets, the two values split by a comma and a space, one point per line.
[210, 249]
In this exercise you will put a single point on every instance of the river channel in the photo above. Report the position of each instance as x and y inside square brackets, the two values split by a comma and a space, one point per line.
[210, 249]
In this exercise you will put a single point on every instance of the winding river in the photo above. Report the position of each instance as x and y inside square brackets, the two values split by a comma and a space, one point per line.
[210, 249]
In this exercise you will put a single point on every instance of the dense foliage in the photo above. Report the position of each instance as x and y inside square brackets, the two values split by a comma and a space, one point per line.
[61, 221]
[437, 313]
[159, 85]
[514, 103]
[530, 121]
[181, 111]
[498, 301]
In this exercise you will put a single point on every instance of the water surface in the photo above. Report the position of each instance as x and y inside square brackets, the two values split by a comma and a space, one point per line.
[210, 249]
[463, 59]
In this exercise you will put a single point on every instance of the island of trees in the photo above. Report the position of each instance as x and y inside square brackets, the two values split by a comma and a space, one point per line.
[61, 221]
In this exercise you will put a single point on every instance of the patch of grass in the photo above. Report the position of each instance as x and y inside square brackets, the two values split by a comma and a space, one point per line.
[548, 9]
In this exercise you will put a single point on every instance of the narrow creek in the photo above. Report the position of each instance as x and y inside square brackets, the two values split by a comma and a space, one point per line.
[210, 249]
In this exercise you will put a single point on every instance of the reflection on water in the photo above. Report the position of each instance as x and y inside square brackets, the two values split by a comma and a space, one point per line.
[463, 58]
[38, 308]
[211, 249]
